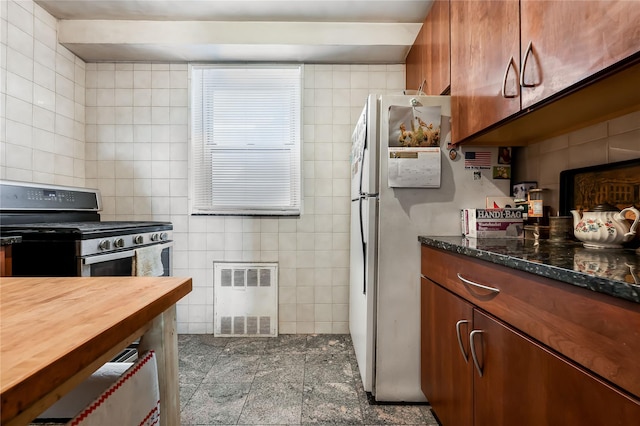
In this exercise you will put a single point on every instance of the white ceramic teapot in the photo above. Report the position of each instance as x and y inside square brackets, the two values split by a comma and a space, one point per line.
[604, 227]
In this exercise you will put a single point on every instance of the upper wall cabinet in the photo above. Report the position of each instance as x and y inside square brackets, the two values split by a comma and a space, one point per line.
[564, 42]
[414, 74]
[513, 57]
[428, 62]
[485, 64]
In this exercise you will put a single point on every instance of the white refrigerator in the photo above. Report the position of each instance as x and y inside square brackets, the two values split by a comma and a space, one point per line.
[384, 300]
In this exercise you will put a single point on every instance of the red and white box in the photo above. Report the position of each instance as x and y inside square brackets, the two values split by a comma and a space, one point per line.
[500, 203]
[492, 223]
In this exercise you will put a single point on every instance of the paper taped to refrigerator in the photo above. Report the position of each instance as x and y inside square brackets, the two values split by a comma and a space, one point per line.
[414, 126]
[414, 167]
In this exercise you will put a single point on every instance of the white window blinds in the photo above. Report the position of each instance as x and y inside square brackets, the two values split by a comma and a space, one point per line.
[245, 139]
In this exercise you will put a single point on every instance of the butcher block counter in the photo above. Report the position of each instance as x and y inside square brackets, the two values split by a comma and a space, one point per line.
[55, 332]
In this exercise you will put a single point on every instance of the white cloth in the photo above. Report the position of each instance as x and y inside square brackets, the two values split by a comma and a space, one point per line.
[134, 400]
[83, 394]
[147, 262]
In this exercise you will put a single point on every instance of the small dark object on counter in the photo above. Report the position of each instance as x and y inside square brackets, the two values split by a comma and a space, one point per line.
[560, 228]
[536, 232]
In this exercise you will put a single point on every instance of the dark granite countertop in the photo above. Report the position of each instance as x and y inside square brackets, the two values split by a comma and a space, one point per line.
[613, 272]
[5, 241]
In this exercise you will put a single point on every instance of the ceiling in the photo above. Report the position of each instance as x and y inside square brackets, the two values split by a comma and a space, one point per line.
[320, 31]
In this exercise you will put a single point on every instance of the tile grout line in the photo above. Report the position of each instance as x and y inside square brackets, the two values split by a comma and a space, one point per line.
[246, 398]
[319, 350]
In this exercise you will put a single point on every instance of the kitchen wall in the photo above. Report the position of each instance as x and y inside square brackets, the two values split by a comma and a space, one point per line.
[137, 154]
[124, 129]
[606, 142]
[41, 99]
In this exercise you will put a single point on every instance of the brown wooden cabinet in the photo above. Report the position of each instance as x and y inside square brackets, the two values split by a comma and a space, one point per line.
[525, 383]
[517, 354]
[571, 41]
[484, 41]
[428, 62]
[5, 261]
[510, 56]
[446, 376]
[414, 77]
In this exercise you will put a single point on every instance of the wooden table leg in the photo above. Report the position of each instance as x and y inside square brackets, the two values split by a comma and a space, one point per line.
[163, 339]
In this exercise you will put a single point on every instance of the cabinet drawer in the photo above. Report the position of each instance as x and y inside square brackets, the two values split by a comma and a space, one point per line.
[600, 332]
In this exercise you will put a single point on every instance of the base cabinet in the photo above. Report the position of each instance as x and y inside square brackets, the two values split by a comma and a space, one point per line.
[446, 375]
[478, 370]
[524, 383]
[5, 261]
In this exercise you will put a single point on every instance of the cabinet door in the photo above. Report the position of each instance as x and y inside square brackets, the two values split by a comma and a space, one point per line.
[5, 261]
[413, 63]
[428, 63]
[571, 40]
[485, 46]
[436, 59]
[523, 383]
[445, 370]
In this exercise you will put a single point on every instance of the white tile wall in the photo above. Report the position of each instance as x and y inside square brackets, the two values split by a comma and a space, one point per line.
[605, 142]
[137, 154]
[42, 99]
[123, 128]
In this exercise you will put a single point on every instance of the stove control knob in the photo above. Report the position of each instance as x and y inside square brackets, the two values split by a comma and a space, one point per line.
[138, 239]
[154, 237]
[104, 245]
[164, 236]
[118, 242]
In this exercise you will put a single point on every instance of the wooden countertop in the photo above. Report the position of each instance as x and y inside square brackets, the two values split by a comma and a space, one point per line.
[53, 328]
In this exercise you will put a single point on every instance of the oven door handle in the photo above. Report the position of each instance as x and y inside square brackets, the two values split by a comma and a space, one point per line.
[117, 255]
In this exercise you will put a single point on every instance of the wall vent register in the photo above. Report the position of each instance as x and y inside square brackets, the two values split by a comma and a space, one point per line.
[245, 299]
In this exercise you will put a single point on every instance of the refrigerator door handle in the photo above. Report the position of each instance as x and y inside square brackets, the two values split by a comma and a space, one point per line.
[364, 251]
[366, 195]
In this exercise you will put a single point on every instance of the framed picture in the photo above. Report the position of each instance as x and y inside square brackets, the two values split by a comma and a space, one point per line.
[502, 172]
[617, 184]
[504, 155]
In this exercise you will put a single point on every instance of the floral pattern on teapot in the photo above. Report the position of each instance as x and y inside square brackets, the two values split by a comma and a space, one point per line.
[592, 225]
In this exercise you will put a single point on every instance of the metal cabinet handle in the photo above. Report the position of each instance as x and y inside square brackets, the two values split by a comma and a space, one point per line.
[504, 79]
[422, 87]
[473, 350]
[464, 354]
[524, 66]
[484, 287]
[107, 257]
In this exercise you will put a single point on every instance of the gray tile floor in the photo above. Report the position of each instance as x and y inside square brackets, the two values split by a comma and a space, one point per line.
[287, 380]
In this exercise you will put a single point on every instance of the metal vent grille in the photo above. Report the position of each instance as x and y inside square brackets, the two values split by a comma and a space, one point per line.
[245, 299]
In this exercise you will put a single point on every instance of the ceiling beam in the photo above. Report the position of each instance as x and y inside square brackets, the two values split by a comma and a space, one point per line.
[198, 40]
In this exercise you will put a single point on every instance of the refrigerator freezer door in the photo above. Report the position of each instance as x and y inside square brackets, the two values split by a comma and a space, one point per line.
[370, 163]
[364, 151]
[358, 143]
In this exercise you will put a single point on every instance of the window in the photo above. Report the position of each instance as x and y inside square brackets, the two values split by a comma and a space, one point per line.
[245, 139]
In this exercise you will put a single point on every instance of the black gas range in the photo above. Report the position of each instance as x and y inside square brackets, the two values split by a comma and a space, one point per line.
[62, 234]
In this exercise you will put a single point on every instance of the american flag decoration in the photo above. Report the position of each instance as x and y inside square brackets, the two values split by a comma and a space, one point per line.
[477, 160]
